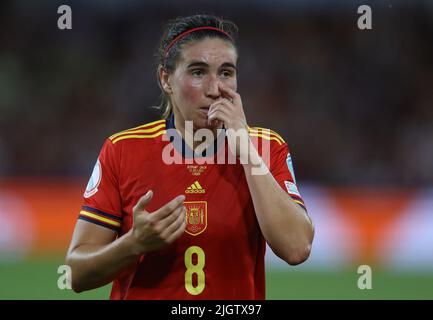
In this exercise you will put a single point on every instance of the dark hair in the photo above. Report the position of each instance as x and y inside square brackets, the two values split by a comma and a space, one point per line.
[176, 27]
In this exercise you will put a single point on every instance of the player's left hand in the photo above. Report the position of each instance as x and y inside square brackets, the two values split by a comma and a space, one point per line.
[230, 111]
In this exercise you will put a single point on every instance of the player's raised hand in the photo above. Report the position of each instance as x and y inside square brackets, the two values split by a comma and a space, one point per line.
[153, 230]
[230, 111]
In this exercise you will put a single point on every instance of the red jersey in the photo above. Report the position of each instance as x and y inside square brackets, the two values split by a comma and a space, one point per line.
[221, 253]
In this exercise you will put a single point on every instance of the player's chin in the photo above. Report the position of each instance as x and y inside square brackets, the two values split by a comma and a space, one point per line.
[201, 121]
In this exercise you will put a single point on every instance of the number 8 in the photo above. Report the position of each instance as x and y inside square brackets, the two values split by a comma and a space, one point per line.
[194, 268]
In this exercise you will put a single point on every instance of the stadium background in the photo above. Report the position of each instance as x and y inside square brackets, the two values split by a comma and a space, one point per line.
[354, 106]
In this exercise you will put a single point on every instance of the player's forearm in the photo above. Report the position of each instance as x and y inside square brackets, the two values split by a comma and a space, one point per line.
[94, 265]
[285, 226]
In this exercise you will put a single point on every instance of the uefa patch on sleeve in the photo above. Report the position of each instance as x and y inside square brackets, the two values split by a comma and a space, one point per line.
[94, 181]
[292, 188]
[290, 166]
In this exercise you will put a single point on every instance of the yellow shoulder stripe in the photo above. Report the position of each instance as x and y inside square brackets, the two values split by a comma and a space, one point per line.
[253, 134]
[151, 130]
[139, 136]
[137, 128]
[264, 130]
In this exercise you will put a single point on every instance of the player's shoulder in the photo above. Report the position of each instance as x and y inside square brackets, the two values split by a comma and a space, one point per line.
[145, 132]
[266, 134]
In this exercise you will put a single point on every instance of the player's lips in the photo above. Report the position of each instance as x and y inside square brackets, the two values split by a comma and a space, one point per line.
[204, 109]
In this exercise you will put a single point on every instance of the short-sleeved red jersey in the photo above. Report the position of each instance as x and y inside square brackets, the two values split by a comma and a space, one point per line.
[221, 253]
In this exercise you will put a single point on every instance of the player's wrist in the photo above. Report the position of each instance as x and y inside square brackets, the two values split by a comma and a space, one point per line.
[135, 248]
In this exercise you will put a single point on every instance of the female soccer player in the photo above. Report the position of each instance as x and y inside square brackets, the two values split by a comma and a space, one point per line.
[162, 219]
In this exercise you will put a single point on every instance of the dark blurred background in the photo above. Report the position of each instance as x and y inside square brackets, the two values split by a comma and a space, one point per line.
[355, 106]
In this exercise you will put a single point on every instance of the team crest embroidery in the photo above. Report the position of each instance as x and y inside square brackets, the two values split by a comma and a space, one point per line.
[196, 217]
[94, 181]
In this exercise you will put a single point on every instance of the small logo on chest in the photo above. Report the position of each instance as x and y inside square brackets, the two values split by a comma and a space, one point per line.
[195, 188]
[196, 217]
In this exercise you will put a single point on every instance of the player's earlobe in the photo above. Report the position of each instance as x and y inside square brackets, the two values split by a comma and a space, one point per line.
[164, 79]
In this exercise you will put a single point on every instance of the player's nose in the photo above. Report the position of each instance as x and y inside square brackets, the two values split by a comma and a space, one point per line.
[212, 87]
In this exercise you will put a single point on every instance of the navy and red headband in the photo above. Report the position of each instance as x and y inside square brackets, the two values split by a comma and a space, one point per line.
[167, 49]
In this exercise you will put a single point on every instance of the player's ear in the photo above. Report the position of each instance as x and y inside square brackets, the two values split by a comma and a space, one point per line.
[164, 78]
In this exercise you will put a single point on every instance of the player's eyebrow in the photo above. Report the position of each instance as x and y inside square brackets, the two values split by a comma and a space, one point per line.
[229, 64]
[197, 64]
[205, 65]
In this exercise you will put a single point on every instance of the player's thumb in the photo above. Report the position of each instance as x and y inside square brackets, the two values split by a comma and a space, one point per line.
[143, 202]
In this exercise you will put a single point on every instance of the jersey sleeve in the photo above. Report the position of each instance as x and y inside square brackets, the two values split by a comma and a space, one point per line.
[101, 199]
[283, 172]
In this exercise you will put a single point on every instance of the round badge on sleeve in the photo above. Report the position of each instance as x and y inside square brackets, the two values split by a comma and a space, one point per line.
[94, 181]
[290, 166]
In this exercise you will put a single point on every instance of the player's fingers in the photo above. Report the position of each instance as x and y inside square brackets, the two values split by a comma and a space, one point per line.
[224, 106]
[230, 93]
[177, 233]
[220, 104]
[215, 104]
[217, 114]
[168, 220]
[227, 102]
[165, 236]
[142, 202]
[168, 208]
[180, 217]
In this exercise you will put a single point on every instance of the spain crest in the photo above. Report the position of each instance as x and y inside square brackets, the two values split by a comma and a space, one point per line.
[196, 217]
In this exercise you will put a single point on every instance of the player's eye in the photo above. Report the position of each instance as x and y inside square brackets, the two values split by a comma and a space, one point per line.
[197, 72]
[227, 73]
